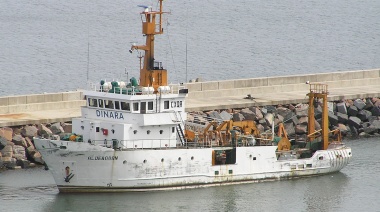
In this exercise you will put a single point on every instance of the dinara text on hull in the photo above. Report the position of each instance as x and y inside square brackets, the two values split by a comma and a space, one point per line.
[135, 137]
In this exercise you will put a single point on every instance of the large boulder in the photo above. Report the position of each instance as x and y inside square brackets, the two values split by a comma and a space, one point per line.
[9, 162]
[269, 109]
[364, 115]
[333, 119]
[56, 128]
[303, 120]
[283, 111]
[7, 151]
[29, 131]
[375, 124]
[354, 122]
[29, 142]
[341, 108]
[257, 112]
[318, 112]
[237, 117]
[301, 129]
[3, 142]
[343, 128]
[19, 140]
[375, 111]
[368, 104]
[23, 163]
[302, 110]
[352, 111]
[248, 114]
[359, 104]
[213, 114]
[19, 152]
[224, 115]
[6, 133]
[36, 157]
[342, 118]
[289, 128]
[269, 118]
[44, 131]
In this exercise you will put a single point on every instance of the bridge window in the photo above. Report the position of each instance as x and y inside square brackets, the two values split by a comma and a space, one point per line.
[117, 105]
[135, 106]
[108, 104]
[92, 102]
[166, 104]
[100, 103]
[150, 105]
[125, 106]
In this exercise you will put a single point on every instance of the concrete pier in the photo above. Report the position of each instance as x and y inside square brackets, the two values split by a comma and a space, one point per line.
[44, 108]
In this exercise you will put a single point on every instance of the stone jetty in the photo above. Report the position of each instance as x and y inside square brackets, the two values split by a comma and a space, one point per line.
[16, 143]
[357, 117]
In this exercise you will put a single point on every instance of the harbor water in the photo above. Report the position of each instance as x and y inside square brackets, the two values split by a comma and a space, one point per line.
[354, 188]
[55, 46]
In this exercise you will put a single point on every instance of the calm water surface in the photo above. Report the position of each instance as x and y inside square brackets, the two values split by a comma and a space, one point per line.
[44, 43]
[355, 188]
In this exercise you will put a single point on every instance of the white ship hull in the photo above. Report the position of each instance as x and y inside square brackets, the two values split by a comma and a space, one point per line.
[100, 169]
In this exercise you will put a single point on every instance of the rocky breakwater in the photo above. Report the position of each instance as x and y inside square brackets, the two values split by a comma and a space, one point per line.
[16, 144]
[359, 117]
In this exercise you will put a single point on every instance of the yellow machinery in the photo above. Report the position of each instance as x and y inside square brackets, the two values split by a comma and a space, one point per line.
[284, 143]
[319, 91]
[152, 73]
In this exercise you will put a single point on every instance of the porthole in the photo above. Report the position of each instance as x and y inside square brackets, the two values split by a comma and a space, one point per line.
[179, 159]
[192, 157]
[134, 131]
[148, 132]
[124, 162]
[162, 160]
[144, 161]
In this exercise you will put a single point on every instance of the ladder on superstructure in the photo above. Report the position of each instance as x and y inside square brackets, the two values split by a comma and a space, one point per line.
[179, 129]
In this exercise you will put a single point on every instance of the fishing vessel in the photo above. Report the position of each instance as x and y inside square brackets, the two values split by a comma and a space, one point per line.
[136, 137]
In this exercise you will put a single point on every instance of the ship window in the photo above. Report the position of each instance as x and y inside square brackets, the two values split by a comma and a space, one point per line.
[148, 132]
[125, 106]
[101, 103]
[135, 106]
[230, 171]
[216, 172]
[97, 129]
[309, 165]
[254, 158]
[150, 105]
[108, 104]
[117, 105]
[173, 129]
[161, 131]
[92, 102]
[166, 104]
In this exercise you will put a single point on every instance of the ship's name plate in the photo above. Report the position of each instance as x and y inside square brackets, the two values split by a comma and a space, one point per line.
[109, 114]
[103, 157]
